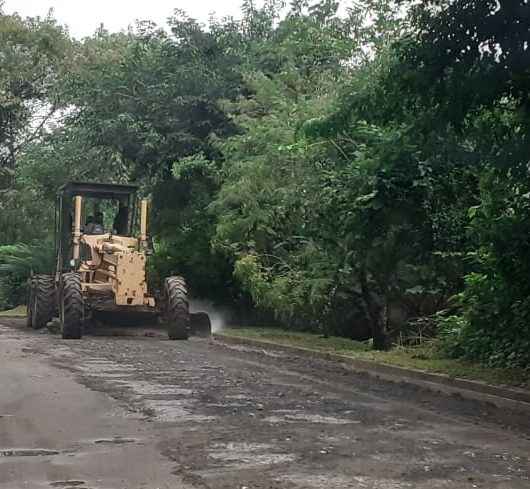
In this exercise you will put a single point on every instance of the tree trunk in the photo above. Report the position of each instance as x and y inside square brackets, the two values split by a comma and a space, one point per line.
[376, 314]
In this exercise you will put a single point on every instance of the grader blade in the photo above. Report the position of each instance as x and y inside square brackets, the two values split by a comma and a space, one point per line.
[200, 324]
[126, 316]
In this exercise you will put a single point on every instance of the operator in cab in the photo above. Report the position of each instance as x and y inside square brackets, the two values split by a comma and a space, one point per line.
[95, 225]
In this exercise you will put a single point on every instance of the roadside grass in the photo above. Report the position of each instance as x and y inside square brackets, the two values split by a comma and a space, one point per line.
[17, 312]
[333, 344]
[424, 357]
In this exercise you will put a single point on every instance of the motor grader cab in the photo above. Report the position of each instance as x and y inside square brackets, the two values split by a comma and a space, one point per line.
[102, 248]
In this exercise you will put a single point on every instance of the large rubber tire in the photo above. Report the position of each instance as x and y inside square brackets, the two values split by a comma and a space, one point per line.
[71, 307]
[177, 314]
[41, 301]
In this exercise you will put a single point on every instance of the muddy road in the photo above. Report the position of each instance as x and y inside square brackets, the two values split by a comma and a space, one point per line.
[143, 412]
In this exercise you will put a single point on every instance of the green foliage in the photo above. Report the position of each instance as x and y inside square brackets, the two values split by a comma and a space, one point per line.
[34, 53]
[495, 304]
[183, 228]
[266, 200]
[458, 125]
[470, 54]
[17, 263]
[345, 173]
[482, 92]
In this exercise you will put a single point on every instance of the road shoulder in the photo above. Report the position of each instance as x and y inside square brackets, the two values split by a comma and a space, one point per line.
[500, 396]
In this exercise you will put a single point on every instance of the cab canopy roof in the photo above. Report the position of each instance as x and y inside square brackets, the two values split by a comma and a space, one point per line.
[97, 190]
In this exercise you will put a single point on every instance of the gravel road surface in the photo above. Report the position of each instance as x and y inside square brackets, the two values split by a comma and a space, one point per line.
[109, 412]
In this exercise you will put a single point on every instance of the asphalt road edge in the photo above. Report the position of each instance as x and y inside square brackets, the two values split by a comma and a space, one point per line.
[500, 396]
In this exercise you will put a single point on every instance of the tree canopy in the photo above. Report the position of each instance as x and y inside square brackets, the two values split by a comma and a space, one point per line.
[360, 171]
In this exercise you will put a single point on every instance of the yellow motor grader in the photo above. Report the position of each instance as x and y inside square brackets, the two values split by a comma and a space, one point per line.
[102, 248]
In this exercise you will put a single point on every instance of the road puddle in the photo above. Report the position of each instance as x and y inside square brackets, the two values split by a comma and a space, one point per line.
[99, 367]
[308, 418]
[175, 411]
[245, 455]
[114, 441]
[311, 481]
[67, 484]
[27, 452]
[148, 388]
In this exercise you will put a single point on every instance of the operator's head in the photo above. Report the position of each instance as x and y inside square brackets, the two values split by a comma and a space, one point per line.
[90, 219]
[99, 217]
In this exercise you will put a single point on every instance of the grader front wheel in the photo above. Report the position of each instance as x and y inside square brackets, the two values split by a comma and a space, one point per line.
[41, 301]
[177, 315]
[71, 307]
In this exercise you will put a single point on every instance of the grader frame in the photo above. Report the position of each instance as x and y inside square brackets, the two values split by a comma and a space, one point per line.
[112, 263]
[100, 270]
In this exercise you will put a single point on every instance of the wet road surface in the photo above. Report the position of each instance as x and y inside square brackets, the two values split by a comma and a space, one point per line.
[140, 412]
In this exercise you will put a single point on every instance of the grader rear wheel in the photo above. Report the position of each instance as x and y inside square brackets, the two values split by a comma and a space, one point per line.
[41, 301]
[71, 307]
[177, 314]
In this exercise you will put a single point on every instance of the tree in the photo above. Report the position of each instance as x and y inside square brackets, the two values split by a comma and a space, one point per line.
[457, 85]
[35, 55]
[271, 218]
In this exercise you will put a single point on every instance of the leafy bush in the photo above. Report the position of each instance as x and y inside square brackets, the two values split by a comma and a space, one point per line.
[17, 263]
[494, 326]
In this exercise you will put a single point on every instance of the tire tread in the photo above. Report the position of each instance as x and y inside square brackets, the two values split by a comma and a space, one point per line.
[42, 290]
[177, 308]
[73, 306]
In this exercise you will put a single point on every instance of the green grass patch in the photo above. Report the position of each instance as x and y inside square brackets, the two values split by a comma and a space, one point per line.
[17, 312]
[332, 344]
[425, 357]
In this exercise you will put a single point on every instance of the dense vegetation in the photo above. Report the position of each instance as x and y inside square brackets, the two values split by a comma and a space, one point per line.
[363, 174]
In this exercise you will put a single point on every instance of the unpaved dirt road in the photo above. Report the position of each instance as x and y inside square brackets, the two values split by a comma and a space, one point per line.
[137, 412]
